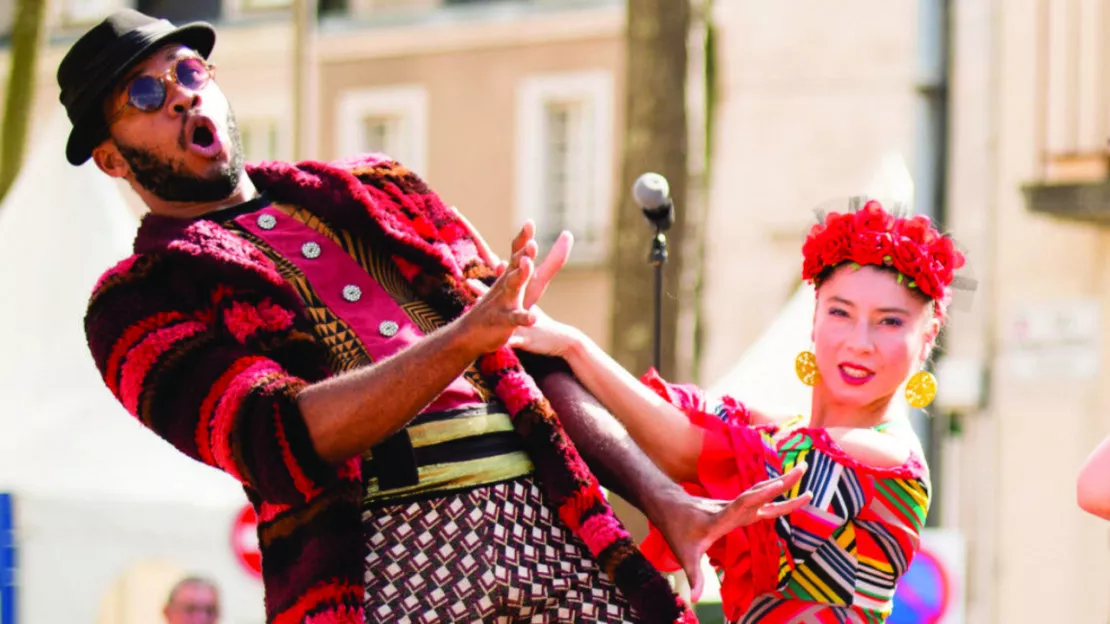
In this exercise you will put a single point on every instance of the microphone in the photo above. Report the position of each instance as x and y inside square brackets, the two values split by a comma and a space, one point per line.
[652, 192]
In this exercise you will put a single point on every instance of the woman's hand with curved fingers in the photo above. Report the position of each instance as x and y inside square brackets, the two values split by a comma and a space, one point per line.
[694, 524]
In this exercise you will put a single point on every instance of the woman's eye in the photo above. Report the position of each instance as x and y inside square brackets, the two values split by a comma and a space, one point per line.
[837, 312]
[892, 321]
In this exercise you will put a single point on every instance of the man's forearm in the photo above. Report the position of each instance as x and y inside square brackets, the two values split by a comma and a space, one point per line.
[350, 413]
[611, 453]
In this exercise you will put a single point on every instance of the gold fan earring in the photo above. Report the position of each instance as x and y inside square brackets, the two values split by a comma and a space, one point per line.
[805, 366]
[921, 389]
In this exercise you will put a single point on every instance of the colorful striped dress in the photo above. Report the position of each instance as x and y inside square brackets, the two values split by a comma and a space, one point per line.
[838, 559]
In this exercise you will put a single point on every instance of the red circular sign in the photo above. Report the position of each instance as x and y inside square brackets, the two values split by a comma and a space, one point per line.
[244, 541]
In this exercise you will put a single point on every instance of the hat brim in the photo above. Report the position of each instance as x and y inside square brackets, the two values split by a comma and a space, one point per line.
[91, 129]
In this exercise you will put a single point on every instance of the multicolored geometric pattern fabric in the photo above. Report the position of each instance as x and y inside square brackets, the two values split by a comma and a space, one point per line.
[491, 554]
[839, 558]
[849, 547]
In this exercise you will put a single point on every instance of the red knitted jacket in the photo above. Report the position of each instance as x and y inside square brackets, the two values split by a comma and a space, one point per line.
[199, 337]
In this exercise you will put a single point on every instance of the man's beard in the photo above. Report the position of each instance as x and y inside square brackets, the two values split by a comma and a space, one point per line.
[168, 179]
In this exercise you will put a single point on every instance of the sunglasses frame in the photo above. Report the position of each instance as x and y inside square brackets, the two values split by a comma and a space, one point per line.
[169, 75]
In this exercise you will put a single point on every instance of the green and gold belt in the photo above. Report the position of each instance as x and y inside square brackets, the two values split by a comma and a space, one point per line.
[441, 452]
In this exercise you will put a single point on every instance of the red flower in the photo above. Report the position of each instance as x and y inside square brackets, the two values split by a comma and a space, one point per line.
[906, 255]
[873, 218]
[871, 247]
[944, 252]
[916, 229]
[932, 282]
[836, 239]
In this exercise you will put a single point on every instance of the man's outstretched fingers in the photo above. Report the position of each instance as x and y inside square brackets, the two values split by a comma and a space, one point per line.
[528, 250]
[527, 232]
[516, 280]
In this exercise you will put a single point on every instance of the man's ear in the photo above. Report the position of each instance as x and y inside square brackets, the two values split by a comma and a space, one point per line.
[109, 160]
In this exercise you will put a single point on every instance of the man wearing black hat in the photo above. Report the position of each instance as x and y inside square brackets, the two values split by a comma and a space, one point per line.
[310, 331]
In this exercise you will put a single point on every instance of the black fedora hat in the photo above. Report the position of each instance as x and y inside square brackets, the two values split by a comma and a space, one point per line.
[97, 60]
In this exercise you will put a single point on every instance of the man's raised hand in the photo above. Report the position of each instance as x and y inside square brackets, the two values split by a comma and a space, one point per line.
[489, 323]
[525, 243]
[551, 264]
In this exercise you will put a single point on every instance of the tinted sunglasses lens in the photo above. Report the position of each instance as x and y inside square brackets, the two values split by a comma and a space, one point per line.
[147, 93]
[191, 73]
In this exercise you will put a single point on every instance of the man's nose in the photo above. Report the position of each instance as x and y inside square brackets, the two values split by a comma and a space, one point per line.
[180, 99]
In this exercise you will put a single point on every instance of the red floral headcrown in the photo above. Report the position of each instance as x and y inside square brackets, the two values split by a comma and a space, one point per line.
[871, 235]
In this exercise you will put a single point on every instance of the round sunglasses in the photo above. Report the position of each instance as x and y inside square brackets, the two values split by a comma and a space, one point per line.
[148, 93]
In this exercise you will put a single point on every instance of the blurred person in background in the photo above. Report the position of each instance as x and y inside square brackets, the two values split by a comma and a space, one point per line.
[193, 600]
[882, 286]
[309, 330]
[1093, 487]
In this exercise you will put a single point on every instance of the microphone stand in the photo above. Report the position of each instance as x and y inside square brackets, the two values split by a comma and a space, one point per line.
[653, 194]
[657, 259]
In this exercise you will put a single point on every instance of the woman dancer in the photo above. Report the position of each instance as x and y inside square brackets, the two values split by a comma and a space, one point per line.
[1093, 488]
[882, 284]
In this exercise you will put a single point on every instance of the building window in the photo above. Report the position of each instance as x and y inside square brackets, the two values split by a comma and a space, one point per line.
[382, 133]
[565, 159]
[390, 120]
[261, 139]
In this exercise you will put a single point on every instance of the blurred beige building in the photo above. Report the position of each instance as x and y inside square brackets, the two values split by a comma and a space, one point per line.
[1028, 197]
[513, 110]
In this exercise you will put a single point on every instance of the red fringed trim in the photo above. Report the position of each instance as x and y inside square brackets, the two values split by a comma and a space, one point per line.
[576, 505]
[501, 360]
[326, 593]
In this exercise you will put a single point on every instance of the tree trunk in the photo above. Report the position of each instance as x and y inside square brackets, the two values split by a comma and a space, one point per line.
[26, 36]
[655, 140]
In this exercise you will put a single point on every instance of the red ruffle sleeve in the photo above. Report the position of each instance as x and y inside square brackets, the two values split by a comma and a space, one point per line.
[734, 457]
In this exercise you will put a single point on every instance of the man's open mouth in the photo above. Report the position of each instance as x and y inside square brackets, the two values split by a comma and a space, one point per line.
[202, 137]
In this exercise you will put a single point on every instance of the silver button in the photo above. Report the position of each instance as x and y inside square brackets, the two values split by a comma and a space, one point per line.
[267, 221]
[352, 293]
[388, 329]
[310, 250]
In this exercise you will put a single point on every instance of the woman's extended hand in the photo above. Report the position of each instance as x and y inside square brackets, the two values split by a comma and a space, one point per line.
[691, 524]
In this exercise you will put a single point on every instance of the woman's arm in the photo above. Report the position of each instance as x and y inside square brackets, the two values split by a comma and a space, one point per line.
[663, 432]
[1093, 487]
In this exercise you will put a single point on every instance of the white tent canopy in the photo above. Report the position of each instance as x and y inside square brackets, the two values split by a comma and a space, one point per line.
[61, 431]
[107, 515]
